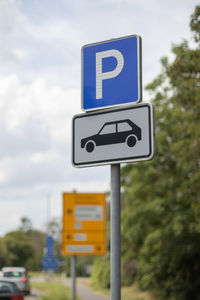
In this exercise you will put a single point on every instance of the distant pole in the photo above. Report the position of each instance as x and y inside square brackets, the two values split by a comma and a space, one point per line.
[49, 273]
[48, 210]
[115, 261]
[73, 276]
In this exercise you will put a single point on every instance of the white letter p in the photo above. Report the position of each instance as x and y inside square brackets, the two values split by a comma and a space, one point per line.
[100, 76]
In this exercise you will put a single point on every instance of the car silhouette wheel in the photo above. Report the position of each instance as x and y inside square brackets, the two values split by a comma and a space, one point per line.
[131, 140]
[90, 146]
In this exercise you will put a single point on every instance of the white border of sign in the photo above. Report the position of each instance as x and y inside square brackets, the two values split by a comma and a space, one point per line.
[122, 159]
[139, 49]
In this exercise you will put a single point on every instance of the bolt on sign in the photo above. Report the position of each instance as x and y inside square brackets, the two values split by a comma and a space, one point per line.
[84, 224]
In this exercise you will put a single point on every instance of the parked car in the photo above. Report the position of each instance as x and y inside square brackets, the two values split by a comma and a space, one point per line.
[19, 276]
[9, 290]
[122, 131]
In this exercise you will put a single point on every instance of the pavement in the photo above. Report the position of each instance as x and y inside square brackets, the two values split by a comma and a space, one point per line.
[82, 290]
[85, 293]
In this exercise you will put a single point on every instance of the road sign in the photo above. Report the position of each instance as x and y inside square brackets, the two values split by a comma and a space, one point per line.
[49, 262]
[84, 221]
[111, 73]
[49, 246]
[113, 136]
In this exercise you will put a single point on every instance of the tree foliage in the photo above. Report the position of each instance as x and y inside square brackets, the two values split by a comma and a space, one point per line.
[23, 247]
[5, 257]
[25, 224]
[101, 272]
[161, 198]
[19, 247]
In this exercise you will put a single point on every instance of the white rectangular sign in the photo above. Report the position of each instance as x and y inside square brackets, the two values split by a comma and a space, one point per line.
[80, 237]
[88, 212]
[113, 136]
[80, 248]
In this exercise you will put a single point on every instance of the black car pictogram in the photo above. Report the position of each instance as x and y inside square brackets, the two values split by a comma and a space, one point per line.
[122, 131]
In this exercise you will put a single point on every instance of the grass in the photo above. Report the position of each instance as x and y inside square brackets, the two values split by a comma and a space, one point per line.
[127, 293]
[133, 293]
[57, 291]
[53, 290]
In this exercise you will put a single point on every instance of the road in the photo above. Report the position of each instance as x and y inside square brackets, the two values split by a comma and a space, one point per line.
[35, 295]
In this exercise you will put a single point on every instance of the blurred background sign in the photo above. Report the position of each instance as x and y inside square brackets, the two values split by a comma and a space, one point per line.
[84, 224]
[49, 262]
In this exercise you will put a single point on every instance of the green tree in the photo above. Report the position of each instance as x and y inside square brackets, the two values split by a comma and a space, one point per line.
[161, 199]
[5, 257]
[19, 247]
[25, 225]
[37, 239]
[54, 228]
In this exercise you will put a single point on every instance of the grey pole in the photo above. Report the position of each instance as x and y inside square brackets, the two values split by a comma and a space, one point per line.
[73, 276]
[115, 261]
[48, 210]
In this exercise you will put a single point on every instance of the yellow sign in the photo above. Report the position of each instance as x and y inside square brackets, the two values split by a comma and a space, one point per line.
[84, 224]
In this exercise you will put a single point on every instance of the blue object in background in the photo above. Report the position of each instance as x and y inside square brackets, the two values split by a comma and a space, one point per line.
[49, 245]
[49, 262]
[111, 73]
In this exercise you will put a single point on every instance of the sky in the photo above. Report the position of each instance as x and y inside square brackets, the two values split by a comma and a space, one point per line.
[40, 91]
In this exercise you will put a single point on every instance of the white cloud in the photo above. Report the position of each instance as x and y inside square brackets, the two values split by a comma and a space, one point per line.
[52, 106]
[7, 12]
[14, 211]
[3, 176]
[36, 133]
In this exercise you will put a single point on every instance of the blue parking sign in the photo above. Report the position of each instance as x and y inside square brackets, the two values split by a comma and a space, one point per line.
[111, 73]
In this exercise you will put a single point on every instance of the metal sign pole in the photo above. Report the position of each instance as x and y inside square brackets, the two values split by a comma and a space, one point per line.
[115, 262]
[73, 276]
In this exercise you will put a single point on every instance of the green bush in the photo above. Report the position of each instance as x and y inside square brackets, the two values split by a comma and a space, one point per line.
[101, 273]
[128, 270]
[171, 263]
